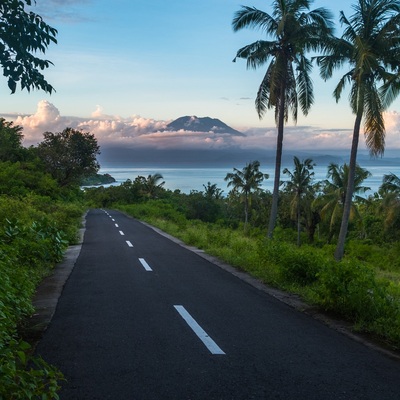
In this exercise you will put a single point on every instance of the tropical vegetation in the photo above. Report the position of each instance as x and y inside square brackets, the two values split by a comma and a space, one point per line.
[295, 30]
[41, 202]
[370, 46]
[245, 182]
[39, 218]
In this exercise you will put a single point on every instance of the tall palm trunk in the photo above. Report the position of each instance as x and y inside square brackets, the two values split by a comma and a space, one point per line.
[278, 163]
[298, 223]
[246, 210]
[339, 252]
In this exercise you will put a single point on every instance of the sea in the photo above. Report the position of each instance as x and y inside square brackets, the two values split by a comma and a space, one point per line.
[187, 178]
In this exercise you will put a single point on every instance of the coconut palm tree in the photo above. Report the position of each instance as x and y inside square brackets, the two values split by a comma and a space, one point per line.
[370, 45]
[293, 31]
[211, 191]
[330, 203]
[390, 183]
[245, 182]
[390, 205]
[152, 185]
[299, 185]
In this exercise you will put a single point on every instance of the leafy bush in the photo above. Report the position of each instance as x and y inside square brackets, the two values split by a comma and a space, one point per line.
[31, 242]
[25, 377]
[351, 289]
[299, 265]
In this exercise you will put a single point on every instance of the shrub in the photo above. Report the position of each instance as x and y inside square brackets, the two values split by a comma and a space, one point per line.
[28, 249]
[299, 265]
[25, 377]
[349, 288]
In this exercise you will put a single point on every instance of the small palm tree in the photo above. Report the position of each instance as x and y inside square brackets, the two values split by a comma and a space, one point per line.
[245, 182]
[299, 185]
[294, 30]
[152, 185]
[390, 183]
[331, 202]
[370, 45]
[390, 193]
[212, 191]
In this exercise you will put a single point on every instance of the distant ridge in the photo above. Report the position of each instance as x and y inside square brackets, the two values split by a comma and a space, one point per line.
[202, 124]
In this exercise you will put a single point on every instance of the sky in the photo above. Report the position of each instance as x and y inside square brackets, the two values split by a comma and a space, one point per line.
[124, 69]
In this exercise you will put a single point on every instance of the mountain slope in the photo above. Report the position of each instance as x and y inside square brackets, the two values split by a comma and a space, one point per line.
[204, 124]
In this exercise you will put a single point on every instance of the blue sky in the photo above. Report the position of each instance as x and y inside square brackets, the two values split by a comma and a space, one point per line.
[124, 68]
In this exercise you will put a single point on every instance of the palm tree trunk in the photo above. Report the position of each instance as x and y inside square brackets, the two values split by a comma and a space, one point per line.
[350, 188]
[298, 224]
[246, 210]
[278, 162]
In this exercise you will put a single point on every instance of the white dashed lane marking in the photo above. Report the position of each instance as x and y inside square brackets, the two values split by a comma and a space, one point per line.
[145, 265]
[199, 331]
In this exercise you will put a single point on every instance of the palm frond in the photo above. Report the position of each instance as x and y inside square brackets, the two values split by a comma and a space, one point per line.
[305, 86]
[344, 80]
[263, 98]
[251, 17]
[256, 53]
[390, 89]
[374, 122]
[391, 183]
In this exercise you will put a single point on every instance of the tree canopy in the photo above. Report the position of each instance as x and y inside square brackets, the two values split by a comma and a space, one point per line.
[23, 35]
[69, 155]
[10, 141]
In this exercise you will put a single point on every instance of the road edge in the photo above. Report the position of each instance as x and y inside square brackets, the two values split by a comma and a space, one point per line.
[48, 292]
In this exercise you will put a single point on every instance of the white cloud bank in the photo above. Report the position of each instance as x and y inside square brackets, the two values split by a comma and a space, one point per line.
[137, 131]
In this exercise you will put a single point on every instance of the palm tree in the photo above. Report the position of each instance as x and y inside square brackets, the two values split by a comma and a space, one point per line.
[211, 191]
[370, 44]
[390, 183]
[331, 202]
[390, 193]
[294, 30]
[152, 185]
[245, 182]
[299, 185]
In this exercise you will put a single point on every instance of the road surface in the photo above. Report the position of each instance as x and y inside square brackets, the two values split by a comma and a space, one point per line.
[143, 318]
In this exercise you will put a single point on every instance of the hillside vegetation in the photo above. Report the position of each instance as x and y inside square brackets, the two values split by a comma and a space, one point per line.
[39, 218]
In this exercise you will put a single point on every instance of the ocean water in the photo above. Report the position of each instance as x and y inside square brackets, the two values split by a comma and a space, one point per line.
[187, 179]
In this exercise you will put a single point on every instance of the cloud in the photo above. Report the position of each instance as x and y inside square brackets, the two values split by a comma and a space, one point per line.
[392, 124]
[46, 118]
[140, 132]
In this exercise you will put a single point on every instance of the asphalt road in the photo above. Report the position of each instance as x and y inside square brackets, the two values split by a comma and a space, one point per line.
[143, 318]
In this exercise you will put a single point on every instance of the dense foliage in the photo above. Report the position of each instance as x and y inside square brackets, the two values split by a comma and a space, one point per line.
[69, 155]
[38, 219]
[23, 35]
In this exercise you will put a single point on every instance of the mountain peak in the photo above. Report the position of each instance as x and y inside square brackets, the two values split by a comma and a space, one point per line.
[202, 124]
